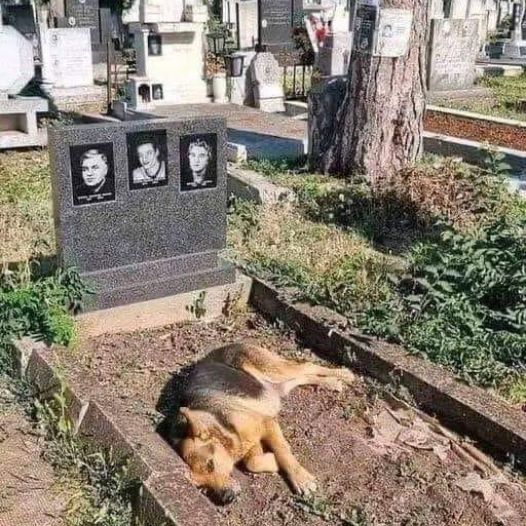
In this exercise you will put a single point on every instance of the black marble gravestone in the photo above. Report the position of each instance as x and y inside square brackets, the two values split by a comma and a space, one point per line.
[276, 20]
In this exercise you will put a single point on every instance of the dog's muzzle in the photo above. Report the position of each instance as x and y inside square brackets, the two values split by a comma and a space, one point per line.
[223, 497]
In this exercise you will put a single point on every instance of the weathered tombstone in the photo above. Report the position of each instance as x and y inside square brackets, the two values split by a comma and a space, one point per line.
[276, 20]
[140, 207]
[69, 61]
[453, 49]
[265, 76]
[18, 115]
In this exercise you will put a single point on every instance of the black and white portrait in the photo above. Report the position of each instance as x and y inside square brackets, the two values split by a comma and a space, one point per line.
[157, 90]
[92, 173]
[198, 162]
[155, 45]
[147, 159]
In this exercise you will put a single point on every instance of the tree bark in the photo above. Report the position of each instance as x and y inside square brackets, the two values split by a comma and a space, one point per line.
[377, 128]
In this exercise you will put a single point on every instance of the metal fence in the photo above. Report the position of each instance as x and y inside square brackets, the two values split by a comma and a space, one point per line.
[296, 81]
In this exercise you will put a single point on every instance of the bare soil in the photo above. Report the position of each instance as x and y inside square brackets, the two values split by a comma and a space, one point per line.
[494, 133]
[368, 474]
[30, 493]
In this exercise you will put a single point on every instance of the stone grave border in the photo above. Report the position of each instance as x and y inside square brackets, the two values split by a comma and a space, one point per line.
[166, 496]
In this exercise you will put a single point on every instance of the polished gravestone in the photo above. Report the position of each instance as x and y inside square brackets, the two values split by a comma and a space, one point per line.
[140, 207]
[276, 20]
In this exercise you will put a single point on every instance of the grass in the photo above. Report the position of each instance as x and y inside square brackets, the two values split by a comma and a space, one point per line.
[505, 93]
[36, 303]
[26, 223]
[433, 261]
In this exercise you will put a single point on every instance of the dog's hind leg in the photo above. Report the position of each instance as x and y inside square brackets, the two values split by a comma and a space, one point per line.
[257, 461]
[300, 479]
[267, 366]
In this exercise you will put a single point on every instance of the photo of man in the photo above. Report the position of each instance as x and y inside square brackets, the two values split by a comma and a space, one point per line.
[198, 162]
[147, 159]
[155, 45]
[92, 174]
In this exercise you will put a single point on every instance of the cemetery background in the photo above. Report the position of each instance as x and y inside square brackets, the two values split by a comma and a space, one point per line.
[336, 247]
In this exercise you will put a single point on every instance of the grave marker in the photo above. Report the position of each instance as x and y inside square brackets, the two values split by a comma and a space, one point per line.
[453, 49]
[140, 207]
[266, 80]
[276, 20]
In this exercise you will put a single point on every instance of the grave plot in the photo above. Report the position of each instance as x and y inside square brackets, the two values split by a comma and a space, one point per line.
[376, 460]
[476, 129]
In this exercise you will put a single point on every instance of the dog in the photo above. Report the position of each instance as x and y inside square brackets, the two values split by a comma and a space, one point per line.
[231, 402]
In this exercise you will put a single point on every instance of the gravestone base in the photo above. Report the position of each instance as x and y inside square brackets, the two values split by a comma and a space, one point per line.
[273, 105]
[156, 279]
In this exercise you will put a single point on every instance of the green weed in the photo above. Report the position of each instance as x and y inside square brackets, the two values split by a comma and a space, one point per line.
[103, 482]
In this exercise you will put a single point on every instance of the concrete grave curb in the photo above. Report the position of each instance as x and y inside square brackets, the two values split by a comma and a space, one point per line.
[253, 186]
[471, 151]
[166, 496]
[467, 409]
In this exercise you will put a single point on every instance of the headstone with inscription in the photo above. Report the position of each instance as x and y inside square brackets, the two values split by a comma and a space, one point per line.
[140, 207]
[84, 14]
[453, 50]
[266, 80]
[276, 20]
[70, 62]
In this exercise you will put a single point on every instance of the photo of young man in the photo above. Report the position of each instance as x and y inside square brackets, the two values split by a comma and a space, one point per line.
[147, 159]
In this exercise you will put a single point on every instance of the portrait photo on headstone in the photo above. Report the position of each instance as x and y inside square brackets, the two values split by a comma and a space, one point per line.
[198, 161]
[92, 173]
[157, 90]
[155, 45]
[147, 159]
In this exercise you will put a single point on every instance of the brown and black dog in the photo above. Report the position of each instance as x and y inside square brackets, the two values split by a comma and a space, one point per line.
[231, 402]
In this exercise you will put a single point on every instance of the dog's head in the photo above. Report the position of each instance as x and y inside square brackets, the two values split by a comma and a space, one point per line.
[205, 449]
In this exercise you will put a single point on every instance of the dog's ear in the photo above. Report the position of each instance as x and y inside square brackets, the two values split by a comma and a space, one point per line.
[196, 426]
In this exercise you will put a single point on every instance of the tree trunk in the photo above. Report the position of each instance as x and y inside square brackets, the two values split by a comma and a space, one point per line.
[377, 127]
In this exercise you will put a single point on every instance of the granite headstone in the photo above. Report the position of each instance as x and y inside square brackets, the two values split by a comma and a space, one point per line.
[276, 20]
[84, 13]
[453, 50]
[140, 206]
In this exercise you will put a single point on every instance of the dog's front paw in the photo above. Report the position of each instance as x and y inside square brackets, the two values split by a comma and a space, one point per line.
[303, 482]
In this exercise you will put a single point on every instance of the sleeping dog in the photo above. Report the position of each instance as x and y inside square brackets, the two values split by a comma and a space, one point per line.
[231, 403]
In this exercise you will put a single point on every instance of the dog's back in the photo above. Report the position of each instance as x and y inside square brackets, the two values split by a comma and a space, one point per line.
[218, 384]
